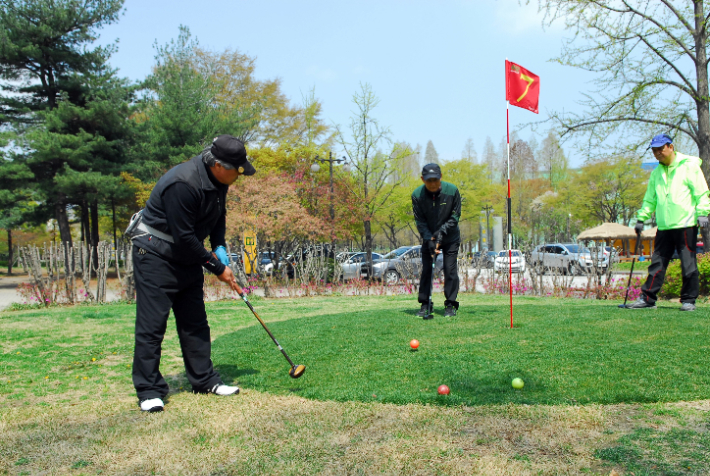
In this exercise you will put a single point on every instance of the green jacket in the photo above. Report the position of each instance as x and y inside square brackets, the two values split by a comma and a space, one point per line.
[438, 212]
[678, 193]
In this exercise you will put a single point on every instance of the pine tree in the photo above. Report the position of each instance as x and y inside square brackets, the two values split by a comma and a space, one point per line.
[430, 155]
[45, 47]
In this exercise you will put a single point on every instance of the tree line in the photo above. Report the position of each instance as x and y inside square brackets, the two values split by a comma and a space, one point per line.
[83, 147]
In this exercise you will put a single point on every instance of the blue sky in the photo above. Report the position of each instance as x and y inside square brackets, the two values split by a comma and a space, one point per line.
[437, 66]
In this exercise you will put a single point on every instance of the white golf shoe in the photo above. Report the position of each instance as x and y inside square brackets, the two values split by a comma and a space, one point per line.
[152, 405]
[224, 390]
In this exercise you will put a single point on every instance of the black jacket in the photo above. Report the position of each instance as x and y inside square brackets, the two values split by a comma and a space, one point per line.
[189, 204]
[438, 212]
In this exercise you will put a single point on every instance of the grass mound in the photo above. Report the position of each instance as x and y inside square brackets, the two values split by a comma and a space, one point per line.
[569, 352]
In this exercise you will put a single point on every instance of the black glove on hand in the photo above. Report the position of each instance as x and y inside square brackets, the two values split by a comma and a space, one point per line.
[639, 227]
[703, 222]
[431, 244]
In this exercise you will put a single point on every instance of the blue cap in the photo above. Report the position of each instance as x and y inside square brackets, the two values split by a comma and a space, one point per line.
[660, 140]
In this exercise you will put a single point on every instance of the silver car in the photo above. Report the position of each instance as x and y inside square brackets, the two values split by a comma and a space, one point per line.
[351, 265]
[404, 262]
[569, 257]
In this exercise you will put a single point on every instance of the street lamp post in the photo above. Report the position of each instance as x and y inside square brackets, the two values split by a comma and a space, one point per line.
[315, 168]
[488, 209]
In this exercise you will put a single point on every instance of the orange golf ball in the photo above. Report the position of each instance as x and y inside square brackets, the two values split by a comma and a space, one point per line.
[443, 390]
[414, 344]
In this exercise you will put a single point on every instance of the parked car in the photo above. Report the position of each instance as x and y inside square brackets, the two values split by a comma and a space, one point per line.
[608, 251]
[568, 257]
[266, 257]
[503, 263]
[485, 259]
[352, 264]
[404, 262]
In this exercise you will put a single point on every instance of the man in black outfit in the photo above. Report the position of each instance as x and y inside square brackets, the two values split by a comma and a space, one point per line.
[186, 206]
[437, 209]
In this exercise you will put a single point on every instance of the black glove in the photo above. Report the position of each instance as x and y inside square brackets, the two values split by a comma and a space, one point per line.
[639, 227]
[431, 246]
[437, 236]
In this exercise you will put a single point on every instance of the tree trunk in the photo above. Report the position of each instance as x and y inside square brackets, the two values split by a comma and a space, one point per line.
[60, 214]
[95, 232]
[10, 254]
[115, 240]
[702, 101]
[368, 248]
[85, 226]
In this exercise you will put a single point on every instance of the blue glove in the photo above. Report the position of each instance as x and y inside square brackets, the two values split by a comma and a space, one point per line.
[221, 253]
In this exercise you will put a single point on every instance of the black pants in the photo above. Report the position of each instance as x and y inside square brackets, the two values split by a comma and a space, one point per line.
[451, 274]
[684, 241]
[161, 286]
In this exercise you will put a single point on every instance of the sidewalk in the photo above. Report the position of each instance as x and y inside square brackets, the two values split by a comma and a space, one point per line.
[8, 294]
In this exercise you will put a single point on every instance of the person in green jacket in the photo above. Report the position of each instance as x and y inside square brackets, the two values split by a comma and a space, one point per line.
[437, 210]
[678, 193]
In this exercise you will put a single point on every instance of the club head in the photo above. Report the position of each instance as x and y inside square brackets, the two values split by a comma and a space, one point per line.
[428, 316]
[296, 371]
[622, 306]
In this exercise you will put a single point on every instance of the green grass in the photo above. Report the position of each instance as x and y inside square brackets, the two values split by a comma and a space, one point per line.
[357, 349]
[65, 384]
[638, 266]
[649, 451]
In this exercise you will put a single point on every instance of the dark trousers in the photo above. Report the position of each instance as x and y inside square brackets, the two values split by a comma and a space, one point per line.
[667, 241]
[161, 286]
[451, 274]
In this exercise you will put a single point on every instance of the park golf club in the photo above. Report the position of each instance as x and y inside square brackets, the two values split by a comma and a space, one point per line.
[430, 310]
[296, 370]
[633, 261]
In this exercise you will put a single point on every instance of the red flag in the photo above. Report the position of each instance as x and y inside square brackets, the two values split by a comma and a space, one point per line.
[522, 88]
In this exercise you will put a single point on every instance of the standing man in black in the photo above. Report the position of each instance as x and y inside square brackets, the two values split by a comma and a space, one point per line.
[437, 209]
[186, 206]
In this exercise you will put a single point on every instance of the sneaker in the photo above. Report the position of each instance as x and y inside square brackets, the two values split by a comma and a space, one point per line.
[640, 303]
[687, 307]
[423, 311]
[152, 405]
[224, 390]
[450, 311]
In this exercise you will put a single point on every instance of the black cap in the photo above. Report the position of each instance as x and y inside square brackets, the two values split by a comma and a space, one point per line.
[431, 171]
[231, 150]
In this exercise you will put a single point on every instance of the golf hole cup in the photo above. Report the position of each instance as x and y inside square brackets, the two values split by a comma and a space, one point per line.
[414, 344]
[518, 383]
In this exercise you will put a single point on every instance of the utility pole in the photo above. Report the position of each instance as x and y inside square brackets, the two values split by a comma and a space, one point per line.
[315, 168]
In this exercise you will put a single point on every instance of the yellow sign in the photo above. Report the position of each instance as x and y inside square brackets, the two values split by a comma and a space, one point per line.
[249, 251]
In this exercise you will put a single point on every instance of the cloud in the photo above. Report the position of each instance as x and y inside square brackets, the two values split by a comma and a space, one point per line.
[518, 17]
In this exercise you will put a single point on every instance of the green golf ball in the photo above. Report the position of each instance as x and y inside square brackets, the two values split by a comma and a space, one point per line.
[518, 383]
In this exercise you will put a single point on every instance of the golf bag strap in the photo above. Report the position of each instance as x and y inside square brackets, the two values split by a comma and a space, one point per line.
[150, 230]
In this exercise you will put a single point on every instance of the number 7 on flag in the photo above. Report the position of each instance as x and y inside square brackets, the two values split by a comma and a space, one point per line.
[522, 88]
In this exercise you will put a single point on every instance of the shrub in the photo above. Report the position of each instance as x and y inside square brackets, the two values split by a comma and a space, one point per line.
[674, 277]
